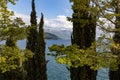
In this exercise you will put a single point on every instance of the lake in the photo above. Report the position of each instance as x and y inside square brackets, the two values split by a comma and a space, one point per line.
[57, 71]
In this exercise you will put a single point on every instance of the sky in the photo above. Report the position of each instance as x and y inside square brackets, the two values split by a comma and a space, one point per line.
[55, 11]
[50, 8]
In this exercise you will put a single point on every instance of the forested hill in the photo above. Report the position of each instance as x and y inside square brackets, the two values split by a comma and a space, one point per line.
[50, 36]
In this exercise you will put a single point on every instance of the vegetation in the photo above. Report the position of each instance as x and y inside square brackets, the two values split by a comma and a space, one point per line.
[83, 57]
[30, 66]
[11, 57]
[40, 53]
[110, 10]
[84, 31]
[36, 66]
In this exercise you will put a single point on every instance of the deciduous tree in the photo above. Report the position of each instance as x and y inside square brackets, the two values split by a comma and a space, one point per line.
[12, 58]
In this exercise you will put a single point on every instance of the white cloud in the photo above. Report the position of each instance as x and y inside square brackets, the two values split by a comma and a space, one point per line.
[59, 22]
[24, 17]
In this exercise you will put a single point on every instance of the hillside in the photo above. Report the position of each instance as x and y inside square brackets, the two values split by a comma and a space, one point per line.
[50, 36]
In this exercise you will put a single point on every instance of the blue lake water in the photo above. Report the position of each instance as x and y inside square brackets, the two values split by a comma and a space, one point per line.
[57, 71]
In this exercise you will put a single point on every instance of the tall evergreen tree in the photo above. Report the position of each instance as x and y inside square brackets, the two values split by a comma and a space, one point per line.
[36, 67]
[40, 53]
[81, 57]
[31, 44]
[84, 31]
[115, 75]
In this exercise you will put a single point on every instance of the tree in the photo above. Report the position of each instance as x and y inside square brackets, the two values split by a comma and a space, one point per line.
[36, 67]
[40, 53]
[31, 43]
[113, 16]
[12, 58]
[114, 75]
[84, 31]
[83, 57]
[30, 66]
[110, 10]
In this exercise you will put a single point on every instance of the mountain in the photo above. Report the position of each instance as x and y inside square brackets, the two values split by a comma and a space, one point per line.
[63, 33]
[50, 36]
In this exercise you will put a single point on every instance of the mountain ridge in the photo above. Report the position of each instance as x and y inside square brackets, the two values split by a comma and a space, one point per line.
[49, 35]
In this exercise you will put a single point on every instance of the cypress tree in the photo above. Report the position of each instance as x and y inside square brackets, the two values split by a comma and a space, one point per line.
[30, 66]
[31, 43]
[84, 28]
[36, 67]
[115, 75]
[40, 53]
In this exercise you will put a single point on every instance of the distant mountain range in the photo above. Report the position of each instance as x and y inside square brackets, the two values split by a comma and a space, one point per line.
[50, 36]
[62, 33]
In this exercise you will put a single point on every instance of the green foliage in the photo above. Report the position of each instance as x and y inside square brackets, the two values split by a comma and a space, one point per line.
[40, 53]
[11, 1]
[30, 65]
[33, 19]
[84, 31]
[97, 59]
[15, 31]
[12, 58]
[109, 12]
[81, 8]
[32, 30]
[11, 30]
[36, 67]
[110, 23]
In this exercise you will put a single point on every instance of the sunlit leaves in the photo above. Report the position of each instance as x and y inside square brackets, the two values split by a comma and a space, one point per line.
[16, 30]
[98, 56]
[10, 27]
[11, 30]
[84, 8]
[13, 57]
[11, 1]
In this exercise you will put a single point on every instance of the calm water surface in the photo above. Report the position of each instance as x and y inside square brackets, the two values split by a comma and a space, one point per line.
[57, 71]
